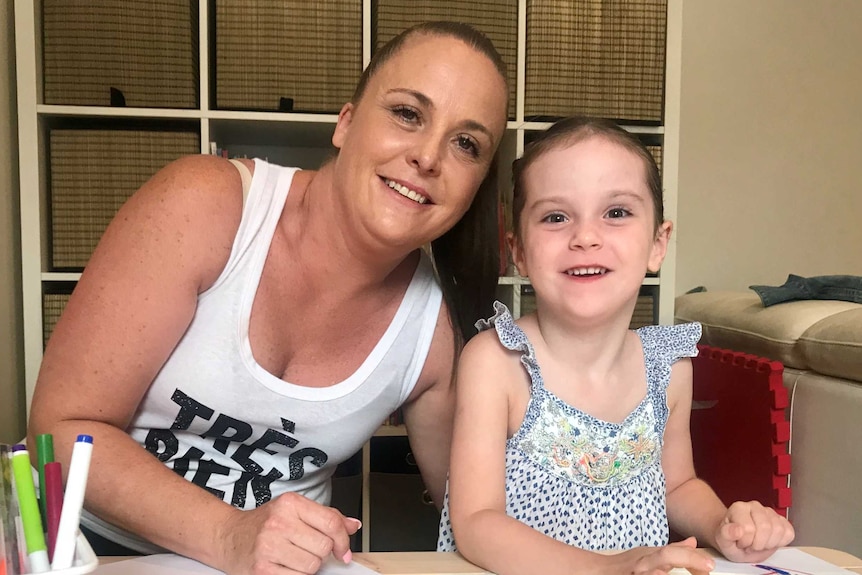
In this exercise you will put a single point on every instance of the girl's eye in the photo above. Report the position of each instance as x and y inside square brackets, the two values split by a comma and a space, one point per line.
[554, 218]
[469, 145]
[618, 213]
[406, 114]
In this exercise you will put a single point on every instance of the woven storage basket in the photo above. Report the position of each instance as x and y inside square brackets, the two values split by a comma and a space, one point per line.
[597, 57]
[497, 19]
[644, 313]
[656, 152]
[92, 173]
[53, 305]
[147, 50]
[267, 50]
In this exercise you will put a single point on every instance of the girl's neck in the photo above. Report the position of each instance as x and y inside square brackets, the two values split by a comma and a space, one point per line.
[593, 350]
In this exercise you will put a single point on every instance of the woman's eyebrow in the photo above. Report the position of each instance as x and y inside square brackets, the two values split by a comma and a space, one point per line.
[422, 98]
[478, 127]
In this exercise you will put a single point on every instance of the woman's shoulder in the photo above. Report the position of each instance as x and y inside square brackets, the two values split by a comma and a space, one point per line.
[199, 187]
[187, 213]
[202, 172]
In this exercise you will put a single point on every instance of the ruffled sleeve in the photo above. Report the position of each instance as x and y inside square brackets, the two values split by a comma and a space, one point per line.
[671, 342]
[512, 337]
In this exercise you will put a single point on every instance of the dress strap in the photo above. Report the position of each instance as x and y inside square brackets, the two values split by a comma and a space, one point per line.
[512, 337]
[245, 174]
[663, 345]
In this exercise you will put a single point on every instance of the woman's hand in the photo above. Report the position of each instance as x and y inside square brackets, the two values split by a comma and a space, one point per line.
[660, 560]
[751, 532]
[289, 535]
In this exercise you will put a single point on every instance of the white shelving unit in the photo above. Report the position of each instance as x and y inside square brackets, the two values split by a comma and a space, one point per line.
[290, 138]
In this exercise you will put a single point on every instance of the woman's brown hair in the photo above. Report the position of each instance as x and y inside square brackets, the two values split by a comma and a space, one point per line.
[466, 258]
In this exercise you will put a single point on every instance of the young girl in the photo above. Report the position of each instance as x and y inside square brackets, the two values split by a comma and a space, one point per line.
[571, 431]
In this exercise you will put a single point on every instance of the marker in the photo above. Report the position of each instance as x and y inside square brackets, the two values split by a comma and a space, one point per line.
[73, 502]
[772, 569]
[53, 502]
[44, 454]
[37, 552]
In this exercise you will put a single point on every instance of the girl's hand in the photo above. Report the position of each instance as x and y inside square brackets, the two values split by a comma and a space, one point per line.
[660, 560]
[290, 535]
[750, 532]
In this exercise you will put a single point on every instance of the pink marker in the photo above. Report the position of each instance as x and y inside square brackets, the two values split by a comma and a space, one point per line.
[53, 502]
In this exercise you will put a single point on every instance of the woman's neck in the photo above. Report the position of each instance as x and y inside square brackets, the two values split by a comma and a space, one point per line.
[319, 233]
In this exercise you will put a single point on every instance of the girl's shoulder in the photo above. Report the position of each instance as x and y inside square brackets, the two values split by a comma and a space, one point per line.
[670, 341]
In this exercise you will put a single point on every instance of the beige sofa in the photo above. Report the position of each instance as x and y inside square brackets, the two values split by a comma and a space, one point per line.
[820, 344]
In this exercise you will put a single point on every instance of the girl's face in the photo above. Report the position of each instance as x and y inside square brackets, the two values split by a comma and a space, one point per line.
[587, 236]
[416, 147]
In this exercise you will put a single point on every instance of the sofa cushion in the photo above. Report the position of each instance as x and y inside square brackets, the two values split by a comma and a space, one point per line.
[833, 346]
[737, 320]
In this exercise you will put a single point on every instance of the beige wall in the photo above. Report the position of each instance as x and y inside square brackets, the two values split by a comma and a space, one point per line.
[11, 351]
[770, 176]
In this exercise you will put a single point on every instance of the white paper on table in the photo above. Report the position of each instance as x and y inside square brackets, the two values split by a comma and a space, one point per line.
[171, 564]
[790, 560]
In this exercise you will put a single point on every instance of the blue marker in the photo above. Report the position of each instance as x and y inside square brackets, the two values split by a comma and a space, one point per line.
[73, 503]
[773, 569]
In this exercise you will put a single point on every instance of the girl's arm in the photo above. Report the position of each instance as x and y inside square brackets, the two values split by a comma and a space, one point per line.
[487, 377]
[748, 531]
[692, 507]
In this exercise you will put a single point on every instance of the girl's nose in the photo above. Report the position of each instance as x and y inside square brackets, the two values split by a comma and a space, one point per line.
[586, 236]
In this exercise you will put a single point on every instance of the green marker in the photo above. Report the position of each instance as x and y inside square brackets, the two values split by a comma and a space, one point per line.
[44, 454]
[37, 551]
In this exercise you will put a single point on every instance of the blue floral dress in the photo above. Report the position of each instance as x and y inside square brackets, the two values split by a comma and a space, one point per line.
[589, 483]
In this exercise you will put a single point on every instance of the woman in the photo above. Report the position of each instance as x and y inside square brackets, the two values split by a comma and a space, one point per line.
[251, 336]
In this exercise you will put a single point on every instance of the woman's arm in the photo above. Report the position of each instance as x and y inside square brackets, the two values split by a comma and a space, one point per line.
[134, 301]
[429, 410]
[484, 534]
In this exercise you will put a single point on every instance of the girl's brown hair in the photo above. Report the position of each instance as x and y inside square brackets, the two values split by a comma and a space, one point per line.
[569, 132]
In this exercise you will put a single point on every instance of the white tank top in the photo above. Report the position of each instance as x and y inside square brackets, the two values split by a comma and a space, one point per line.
[217, 418]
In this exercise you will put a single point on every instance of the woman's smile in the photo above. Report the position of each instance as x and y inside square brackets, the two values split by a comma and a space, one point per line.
[417, 195]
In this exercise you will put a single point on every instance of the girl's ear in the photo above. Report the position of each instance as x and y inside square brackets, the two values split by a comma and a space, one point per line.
[517, 251]
[341, 127]
[659, 246]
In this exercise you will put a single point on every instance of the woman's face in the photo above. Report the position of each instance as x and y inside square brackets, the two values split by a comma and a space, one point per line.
[415, 148]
